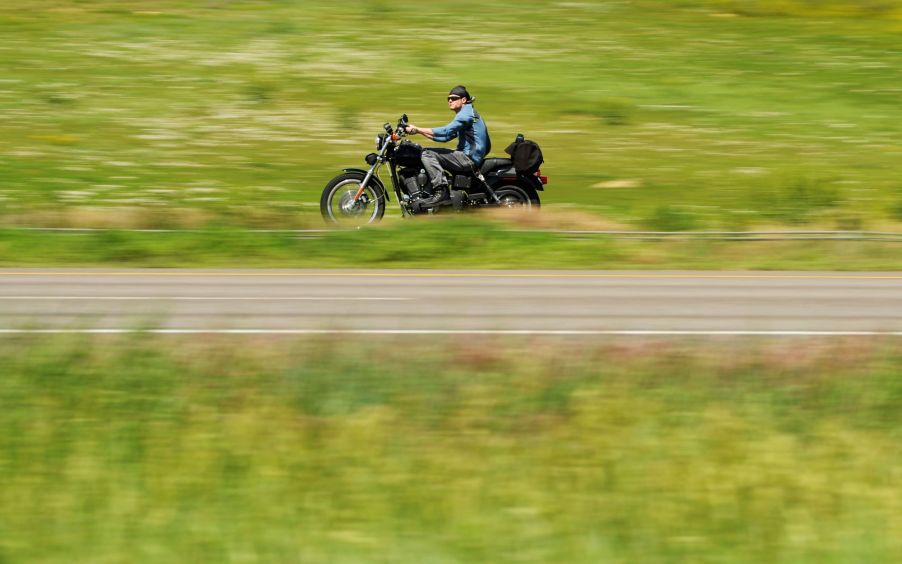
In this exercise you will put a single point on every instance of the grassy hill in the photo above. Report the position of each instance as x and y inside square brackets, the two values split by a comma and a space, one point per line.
[684, 115]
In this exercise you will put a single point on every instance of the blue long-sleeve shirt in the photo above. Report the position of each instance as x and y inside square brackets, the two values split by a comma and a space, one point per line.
[471, 132]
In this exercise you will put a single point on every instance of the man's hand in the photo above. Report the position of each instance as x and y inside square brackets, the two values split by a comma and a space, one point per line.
[412, 130]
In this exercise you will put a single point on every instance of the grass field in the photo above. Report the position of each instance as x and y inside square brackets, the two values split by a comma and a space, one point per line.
[217, 116]
[689, 114]
[145, 449]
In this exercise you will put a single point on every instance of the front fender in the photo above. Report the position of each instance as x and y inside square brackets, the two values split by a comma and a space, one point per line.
[374, 179]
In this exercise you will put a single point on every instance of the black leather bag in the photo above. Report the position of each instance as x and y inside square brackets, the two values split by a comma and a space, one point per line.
[526, 155]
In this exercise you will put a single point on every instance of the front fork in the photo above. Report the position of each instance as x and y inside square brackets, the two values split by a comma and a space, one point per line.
[373, 168]
[366, 179]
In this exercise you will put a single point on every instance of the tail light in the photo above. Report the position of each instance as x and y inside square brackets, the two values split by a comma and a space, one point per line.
[542, 179]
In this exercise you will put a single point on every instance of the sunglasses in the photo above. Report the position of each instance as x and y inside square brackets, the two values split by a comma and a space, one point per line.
[454, 98]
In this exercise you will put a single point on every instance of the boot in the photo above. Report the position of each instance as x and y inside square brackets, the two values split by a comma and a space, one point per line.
[440, 195]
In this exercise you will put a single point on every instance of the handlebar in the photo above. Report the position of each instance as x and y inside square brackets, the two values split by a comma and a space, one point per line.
[399, 131]
[402, 125]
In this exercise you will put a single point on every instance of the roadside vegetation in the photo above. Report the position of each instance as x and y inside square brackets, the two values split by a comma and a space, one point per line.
[468, 450]
[477, 243]
[696, 114]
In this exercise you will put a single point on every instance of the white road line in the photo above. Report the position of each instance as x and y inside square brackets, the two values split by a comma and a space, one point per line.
[211, 298]
[527, 332]
[699, 275]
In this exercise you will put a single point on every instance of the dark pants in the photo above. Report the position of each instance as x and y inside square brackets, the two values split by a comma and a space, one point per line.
[434, 160]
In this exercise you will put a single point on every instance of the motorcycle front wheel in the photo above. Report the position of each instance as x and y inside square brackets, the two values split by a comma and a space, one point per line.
[337, 204]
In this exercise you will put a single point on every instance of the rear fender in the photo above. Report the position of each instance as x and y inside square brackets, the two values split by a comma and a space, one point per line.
[373, 179]
[534, 182]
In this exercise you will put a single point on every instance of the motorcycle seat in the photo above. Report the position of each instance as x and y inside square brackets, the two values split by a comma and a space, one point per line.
[495, 163]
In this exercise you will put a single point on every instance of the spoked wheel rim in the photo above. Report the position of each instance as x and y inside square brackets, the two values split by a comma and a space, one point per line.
[513, 197]
[343, 210]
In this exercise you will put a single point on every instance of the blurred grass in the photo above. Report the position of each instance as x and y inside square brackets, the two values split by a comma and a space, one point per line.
[466, 450]
[709, 113]
[477, 244]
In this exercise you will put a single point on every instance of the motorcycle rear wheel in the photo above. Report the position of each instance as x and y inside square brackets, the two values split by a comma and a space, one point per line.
[513, 196]
[337, 203]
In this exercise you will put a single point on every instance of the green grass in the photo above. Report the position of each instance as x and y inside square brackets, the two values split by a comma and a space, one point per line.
[709, 114]
[149, 449]
[427, 243]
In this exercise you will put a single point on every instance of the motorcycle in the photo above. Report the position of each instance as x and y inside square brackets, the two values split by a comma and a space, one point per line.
[358, 196]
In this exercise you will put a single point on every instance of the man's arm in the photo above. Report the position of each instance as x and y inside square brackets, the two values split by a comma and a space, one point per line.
[424, 131]
[463, 119]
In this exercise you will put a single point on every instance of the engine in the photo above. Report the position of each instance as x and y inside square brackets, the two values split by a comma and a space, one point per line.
[416, 187]
[415, 182]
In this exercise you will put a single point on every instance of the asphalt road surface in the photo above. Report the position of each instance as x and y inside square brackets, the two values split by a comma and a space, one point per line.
[447, 302]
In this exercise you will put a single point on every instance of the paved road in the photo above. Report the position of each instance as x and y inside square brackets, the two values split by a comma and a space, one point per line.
[570, 302]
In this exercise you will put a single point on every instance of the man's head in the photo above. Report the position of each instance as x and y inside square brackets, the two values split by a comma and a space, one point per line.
[457, 97]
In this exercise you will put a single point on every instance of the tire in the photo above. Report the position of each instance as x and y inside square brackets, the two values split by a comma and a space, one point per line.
[337, 206]
[514, 196]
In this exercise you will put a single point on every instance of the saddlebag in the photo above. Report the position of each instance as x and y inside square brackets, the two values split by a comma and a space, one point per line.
[526, 155]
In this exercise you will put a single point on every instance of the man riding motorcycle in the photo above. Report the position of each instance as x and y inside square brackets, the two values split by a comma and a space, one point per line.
[473, 143]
